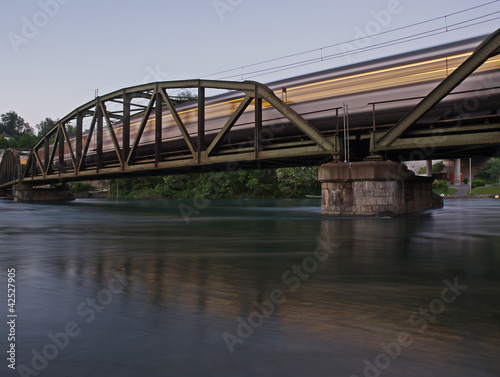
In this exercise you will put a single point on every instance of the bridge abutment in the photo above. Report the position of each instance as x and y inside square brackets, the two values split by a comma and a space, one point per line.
[4, 193]
[374, 188]
[28, 193]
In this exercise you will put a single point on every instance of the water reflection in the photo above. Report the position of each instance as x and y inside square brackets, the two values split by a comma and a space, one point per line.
[188, 284]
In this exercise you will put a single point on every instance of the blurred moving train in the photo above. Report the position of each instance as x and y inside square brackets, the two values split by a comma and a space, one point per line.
[390, 85]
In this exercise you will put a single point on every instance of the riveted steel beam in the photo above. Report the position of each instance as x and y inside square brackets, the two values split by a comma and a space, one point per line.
[9, 168]
[294, 117]
[488, 48]
[230, 122]
[178, 121]
[133, 114]
[415, 143]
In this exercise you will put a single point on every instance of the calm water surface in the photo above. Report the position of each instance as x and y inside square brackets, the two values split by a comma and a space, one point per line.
[251, 288]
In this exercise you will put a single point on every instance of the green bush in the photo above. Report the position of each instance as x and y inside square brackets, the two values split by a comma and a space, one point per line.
[81, 187]
[441, 186]
[438, 167]
[466, 180]
[477, 183]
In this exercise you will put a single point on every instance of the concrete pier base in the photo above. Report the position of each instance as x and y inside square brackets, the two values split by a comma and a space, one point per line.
[27, 193]
[374, 188]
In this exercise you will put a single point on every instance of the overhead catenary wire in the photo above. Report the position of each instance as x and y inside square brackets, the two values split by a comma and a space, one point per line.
[394, 42]
[446, 28]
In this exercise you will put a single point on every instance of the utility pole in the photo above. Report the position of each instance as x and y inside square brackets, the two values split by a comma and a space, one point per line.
[470, 176]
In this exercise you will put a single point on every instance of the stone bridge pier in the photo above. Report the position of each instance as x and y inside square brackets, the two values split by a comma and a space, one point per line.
[28, 193]
[374, 188]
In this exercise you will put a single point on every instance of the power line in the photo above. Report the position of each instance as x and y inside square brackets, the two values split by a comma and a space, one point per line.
[411, 38]
[421, 35]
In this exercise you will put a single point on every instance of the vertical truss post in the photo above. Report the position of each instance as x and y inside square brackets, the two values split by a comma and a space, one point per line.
[373, 118]
[61, 148]
[201, 145]
[33, 165]
[99, 138]
[46, 155]
[337, 125]
[258, 123]
[158, 126]
[126, 128]
[79, 139]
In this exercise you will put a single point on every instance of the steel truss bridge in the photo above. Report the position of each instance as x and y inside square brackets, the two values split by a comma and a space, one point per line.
[144, 130]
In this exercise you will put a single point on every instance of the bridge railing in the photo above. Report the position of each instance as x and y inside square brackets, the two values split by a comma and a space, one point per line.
[448, 111]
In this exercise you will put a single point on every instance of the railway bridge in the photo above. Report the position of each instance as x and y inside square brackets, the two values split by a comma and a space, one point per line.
[353, 121]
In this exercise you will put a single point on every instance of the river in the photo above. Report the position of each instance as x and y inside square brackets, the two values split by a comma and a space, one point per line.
[250, 288]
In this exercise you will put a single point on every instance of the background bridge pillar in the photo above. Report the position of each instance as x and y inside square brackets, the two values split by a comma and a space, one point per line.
[27, 193]
[374, 188]
[4, 192]
[428, 168]
[456, 172]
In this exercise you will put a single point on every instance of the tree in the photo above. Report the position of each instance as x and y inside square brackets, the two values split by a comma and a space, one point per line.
[438, 167]
[302, 180]
[27, 141]
[71, 130]
[14, 125]
[184, 96]
[493, 169]
[13, 144]
[4, 143]
[45, 126]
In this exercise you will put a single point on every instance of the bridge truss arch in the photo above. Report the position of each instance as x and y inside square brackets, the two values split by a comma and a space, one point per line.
[10, 168]
[144, 130]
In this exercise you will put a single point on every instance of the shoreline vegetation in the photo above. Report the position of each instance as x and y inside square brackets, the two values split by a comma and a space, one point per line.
[289, 183]
[250, 184]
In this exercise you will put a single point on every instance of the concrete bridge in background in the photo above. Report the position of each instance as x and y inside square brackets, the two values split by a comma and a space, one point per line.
[145, 130]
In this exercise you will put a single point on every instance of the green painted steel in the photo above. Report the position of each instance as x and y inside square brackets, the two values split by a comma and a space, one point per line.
[488, 48]
[116, 135]
[126, 113]
[10, 168]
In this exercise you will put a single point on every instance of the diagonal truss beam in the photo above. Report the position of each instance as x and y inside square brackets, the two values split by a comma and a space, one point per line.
[68, 143]
[178, 121]
[193, 135]
[53, 153]
[488, 48]
[111, 132]
[230, 122]
[39, 162]
[89, 139]
[142, 126]
[295, 118]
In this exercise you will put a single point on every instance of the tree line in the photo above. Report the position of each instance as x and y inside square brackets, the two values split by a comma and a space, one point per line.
[294, 182]
[23, 136]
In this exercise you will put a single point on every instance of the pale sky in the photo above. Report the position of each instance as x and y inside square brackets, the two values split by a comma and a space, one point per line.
[56, 53]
